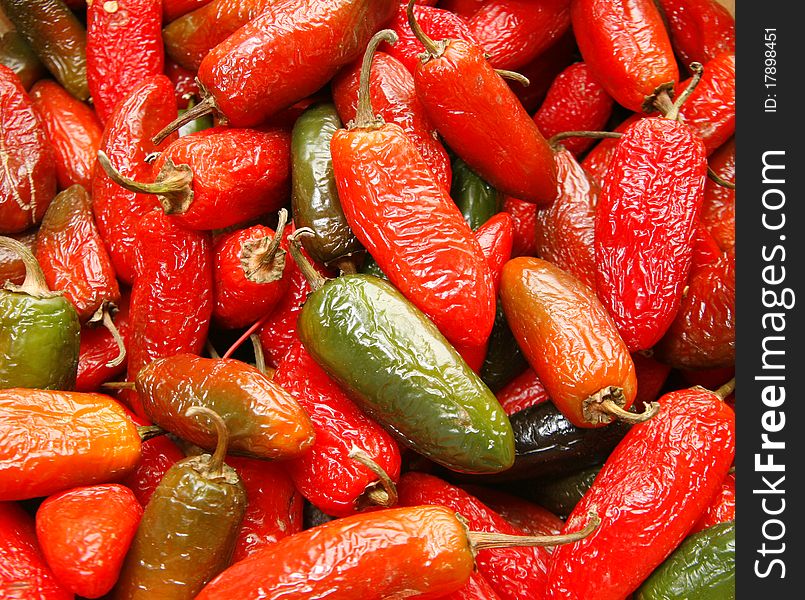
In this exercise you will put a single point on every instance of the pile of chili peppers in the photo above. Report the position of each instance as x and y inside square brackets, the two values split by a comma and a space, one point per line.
[365, 299]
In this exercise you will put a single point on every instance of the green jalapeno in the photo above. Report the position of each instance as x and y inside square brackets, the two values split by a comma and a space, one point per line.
[504, 360]
[477, 200]
[561, 495]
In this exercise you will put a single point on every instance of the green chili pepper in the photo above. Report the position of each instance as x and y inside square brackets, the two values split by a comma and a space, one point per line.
[57, 37]
[561, 495]
[189, 528]
[39, 331]
[477, 200]
[504, 360]
[370, 267]
[17, 55]
[314, 198]
[397, 366]
[701, 568]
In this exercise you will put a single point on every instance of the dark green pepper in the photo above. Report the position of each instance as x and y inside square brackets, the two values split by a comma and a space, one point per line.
[397, 366]
[561, 495]
[39, 331]
[57, 37]
[189, 528]
[476, 199]
[504, 360]
[314, 198]
[701, 568]
[17, 55]
[370, 267]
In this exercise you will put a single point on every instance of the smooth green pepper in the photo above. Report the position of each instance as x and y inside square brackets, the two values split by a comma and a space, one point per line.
[561, 495]
[17, 55]
[701, 568]
[39, 331]
[477, 200]
[314, 198]
[57, 37]
[504, 360]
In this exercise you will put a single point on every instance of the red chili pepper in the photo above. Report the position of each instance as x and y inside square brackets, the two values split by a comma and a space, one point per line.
[12, 267]
[575, 102]
[653, 488]
[464, 8]
[525, 515]
[543, 70]
[705, 248]
[185, 83]
[73, 130]
[124, 46]
[700, 29]
[496, 238]
[173, 9]
[718, 207]
[709, 378]
[645, 224]
[476, 588]
[218, 177]
[28, 177]
[410, 225]
[24, 574]
[515, 32]
[524, 215]
[127, 141]
[85, 533]
[436, 22]
[482, 120]
[99, 349]
[721, 509]
[597, 161]
[651, 376]
[626, 46]
[521, 392]
[171, 301]
[327, 475]
[565, 232]
[394, 99]
[513, 572]
[274, 510]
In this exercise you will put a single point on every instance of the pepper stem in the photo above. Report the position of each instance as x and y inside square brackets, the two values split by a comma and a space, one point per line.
[246, 334]
[121, 346]
[146, 432]
[365, 117]
[262, 260]
[726, 389]
[598, 135]
[211, 349]
[611, 408]
[119, 385]
[314, 278]
[514, 76]
[698, 70]
[217, 460]
[205, 107]
[719, 180]
[607, 404]
[345, 265]
[384, 494]
[431, 47]
[259, 356]
[481, 540]
[34, 283]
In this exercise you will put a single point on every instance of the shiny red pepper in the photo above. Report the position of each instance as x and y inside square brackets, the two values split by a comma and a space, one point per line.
[12, 267]
[476, 588]
[327, 475]
[597, 160]
[394, 99]
[524, 215]
[718, 208]
[525, 515]
[73, 130]
[99, 349]
[700, 29]
[542, 71]
[575, 102]
[482, 120]
[464, 8]
[173, 9]
[28, 177]
[645, 222]
[626, 47]
[127, 141]
[651, 376]
[496, 238]
[721, 509]
[521, 392]
[514, 573]
[515, 32]
[274, 510]
[185, 83]
[124, 46]
[85, 533]
[683, 454]
[410, 225]
[24, 574]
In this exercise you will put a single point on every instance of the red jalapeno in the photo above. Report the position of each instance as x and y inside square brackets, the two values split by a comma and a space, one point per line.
[700, 29]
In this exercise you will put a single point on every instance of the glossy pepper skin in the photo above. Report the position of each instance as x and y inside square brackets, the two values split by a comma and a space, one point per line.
[84, 534]
[476, 199]
[24, 574]
[703, 566]
[515, 32]
[651, 376]
[503, 361]
[721, 509]
[12, 267]
[57, 440]
[561, 495]
[39, 332]
[627, 48]
[326, 474]
[597, 161]
[543, 70]
[171, 301]
[17, 55]
[522, 391]
[249, 281]
[189, 38]
[566, 228]
[73, 131]
[524, 215]
[314, 196]
[523, 514]
[514, 573]
[686, 450]
[568, 338]
[718, 207]
[58, 38]
[28, 181]
[369, 556]
[496, 237]
[378, 373]
[574, 102]
[645, 220]
[158, 454]
[700, 29]
[124, 46]
[286, 53]
[395, 100]
[482, 120]
[98, 350]
[72, 255]
[127, 141]
[173, 9]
